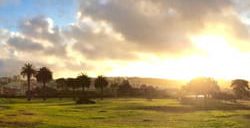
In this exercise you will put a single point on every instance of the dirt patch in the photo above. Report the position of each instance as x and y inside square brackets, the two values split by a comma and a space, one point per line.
[147, 120]
[225, 115]
[174, 109]
[211, 104]
[102, 111]
[4, 107]
[21, 110]
[247, 116]
[18, 124]
[11, 115]
[98, 117]
[28, 113]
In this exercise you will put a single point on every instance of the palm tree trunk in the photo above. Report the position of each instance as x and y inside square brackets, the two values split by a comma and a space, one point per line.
[28, 92]
[101, 93]
[83, 91]
[60, 94]
[44, 91]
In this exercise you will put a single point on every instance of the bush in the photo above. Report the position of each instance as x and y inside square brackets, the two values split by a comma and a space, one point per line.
[84, 101]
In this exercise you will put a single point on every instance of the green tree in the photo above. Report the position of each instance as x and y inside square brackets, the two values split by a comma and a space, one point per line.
[73, 83]
[101, 83]
[125, 88]
[240, 88]
[28, 71]
[61, 86]
[202, 86]
[44, 75]
[114, 86]
[84, 81]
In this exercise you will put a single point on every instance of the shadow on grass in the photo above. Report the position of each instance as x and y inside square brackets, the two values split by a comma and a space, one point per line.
[192, 106]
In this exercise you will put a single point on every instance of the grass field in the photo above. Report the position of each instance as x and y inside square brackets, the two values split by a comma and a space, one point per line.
[122, 113]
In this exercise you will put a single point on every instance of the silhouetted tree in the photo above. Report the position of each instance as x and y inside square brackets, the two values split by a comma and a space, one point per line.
[148, 91]
[143, 87]
[74, 84]
[114, 86]
[240, 88]
[43, 76]
[61, 86]
[125, 88]
[202, 86]
[101, 82]
[28, 71]
[84, 82]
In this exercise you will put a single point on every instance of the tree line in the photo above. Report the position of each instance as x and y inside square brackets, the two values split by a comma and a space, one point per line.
[76, 87]
[209, 88]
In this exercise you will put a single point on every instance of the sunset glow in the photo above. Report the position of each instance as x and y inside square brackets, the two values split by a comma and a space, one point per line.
[149, 39]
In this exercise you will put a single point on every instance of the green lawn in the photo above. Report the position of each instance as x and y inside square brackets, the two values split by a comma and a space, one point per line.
[122, 113]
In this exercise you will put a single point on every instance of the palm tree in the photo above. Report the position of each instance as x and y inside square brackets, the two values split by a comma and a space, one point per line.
[84, 81]
[61, 85]
[44, 75]
[101, 82]
[240, 88]
[28, 71]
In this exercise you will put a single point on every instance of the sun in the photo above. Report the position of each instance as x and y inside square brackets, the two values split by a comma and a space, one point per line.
[214, 63]
[212, 44]
[212, 54]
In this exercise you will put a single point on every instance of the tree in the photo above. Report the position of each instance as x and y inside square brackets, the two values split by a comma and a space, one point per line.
[148, 91]
[125, 88]
[43, 76]
[28, 71]
[114, 86]
[101, 82]
[240, 88]
[202, 86]
[61, 86]
[74, 84]
[84, 81]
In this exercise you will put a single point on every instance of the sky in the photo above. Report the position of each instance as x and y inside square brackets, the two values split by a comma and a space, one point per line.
[174, 39]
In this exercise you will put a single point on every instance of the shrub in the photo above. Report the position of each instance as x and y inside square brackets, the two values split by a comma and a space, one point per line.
[82, 100]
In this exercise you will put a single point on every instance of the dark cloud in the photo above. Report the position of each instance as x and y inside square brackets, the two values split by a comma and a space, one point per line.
[99, 45]
[162, 25]
[23, 44]
[42, 28]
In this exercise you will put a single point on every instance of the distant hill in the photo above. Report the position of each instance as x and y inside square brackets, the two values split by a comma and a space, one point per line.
[167, 83]
[156, 82]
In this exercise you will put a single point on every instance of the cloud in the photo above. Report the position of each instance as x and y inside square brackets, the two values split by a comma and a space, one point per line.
[162, 25]
[9, 66]
[24, 44]
[41, 27]
[108, 33]
[96, 40]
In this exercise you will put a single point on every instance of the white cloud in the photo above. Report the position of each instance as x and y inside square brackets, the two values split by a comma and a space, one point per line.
[111, 33]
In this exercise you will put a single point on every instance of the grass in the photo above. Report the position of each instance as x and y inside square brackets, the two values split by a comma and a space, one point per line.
[123, 113]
